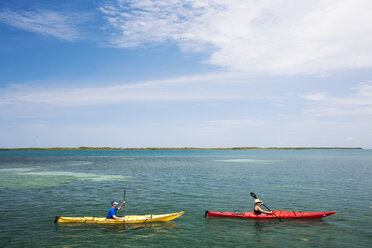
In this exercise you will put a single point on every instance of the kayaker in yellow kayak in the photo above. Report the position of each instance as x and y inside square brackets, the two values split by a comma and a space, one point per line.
[257, 208]
[112, 212]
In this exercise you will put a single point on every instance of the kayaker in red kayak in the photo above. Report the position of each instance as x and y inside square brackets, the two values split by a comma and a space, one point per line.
[112, 212]
[257, 208]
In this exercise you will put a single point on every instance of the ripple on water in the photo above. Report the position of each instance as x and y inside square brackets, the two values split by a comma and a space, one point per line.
[250, 161]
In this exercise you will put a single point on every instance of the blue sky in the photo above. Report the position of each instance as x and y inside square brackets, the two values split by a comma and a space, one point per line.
[172, 73]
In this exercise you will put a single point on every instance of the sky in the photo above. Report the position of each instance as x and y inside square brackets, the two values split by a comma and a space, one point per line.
[185, 73]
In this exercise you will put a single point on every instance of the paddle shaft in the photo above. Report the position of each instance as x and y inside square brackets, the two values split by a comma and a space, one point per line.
[255, 197]
[124, 204]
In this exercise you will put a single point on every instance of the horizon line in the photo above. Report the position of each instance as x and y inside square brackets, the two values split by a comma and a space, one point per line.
[173, 148]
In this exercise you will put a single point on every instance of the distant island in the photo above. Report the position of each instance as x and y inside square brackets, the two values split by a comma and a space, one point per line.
[168, 148]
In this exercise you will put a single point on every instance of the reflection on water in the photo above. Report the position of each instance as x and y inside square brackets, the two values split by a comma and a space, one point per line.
[268, 231]
[121, 226]
[267, 223]
[140, 230]
[259, 224]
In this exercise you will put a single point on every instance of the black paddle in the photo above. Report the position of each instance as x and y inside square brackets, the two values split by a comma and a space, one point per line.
[255, 197]
[124, 204]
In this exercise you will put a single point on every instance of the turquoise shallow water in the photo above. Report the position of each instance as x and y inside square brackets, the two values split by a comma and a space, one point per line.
[37, 185]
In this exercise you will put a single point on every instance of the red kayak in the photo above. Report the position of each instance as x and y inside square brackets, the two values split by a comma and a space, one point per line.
[280, 214]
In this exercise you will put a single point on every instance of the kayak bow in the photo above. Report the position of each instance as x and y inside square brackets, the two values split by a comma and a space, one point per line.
[128, 219]
[280, 214]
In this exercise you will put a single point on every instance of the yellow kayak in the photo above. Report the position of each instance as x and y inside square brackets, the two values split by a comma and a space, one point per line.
[128, 219]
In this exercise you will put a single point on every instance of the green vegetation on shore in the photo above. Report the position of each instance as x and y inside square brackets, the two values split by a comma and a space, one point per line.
[82, 148]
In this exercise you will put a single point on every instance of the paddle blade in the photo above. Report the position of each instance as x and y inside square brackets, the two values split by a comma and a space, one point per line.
[253, 195]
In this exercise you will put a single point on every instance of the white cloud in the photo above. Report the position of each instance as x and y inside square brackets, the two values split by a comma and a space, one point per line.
[45, 22]
[202, 87]
[277, 36]
[358, 103]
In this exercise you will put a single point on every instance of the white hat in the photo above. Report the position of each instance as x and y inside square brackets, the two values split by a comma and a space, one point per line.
[257, 201]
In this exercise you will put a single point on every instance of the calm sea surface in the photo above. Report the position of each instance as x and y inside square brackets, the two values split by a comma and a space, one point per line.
[37, 185]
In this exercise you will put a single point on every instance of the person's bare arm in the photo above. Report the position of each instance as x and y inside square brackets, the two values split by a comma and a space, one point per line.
[265, 212]
[121, 206]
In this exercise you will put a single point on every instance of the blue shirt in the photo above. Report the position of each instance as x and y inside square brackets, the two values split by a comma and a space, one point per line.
[111, 212]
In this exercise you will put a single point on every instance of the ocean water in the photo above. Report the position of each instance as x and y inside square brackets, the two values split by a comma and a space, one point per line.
[35, 186]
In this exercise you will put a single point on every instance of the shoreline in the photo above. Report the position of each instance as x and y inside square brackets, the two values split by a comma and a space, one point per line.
[86, 148]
